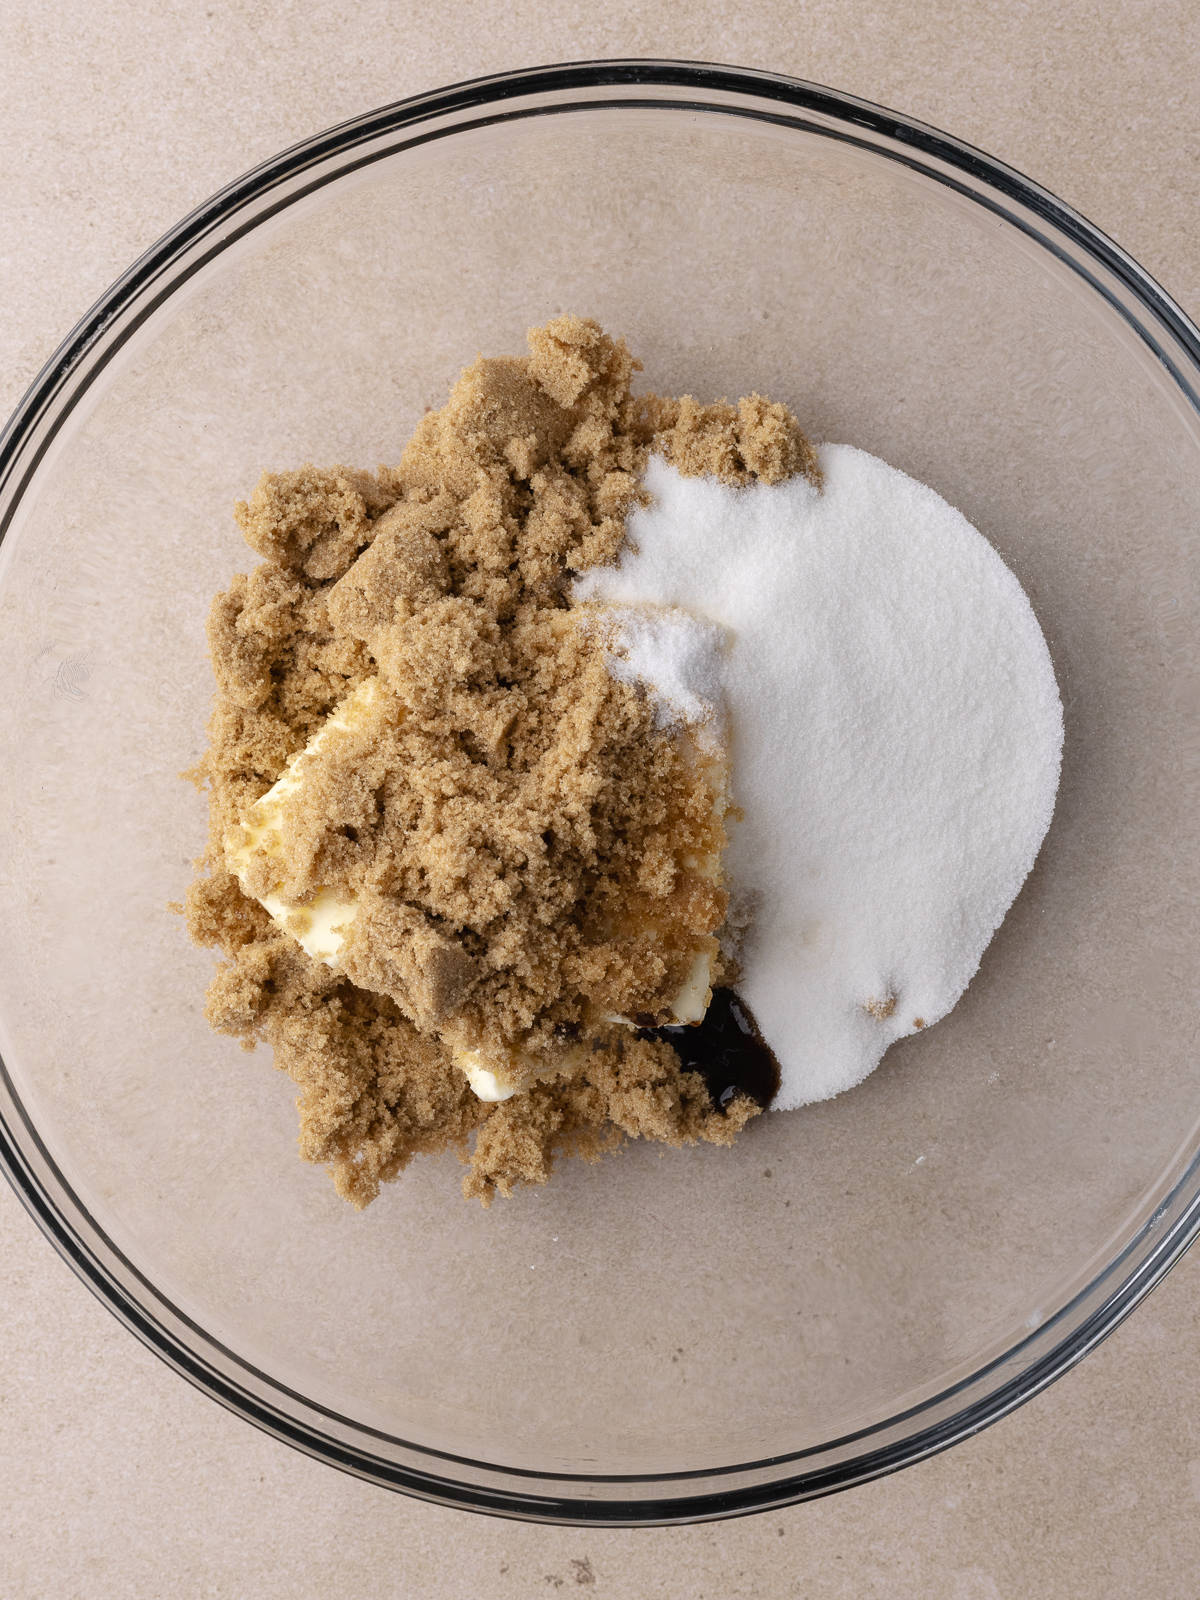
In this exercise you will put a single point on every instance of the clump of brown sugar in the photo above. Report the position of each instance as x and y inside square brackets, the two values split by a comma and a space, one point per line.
[524, 847]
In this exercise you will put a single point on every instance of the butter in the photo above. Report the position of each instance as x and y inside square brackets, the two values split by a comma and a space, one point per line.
[490, 1082]
[319, 923]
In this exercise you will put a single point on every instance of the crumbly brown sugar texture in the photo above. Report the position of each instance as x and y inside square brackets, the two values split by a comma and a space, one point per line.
[520, 840]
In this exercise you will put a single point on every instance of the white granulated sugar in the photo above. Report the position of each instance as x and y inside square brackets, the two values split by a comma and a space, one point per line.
[895, 734]
[677, 655]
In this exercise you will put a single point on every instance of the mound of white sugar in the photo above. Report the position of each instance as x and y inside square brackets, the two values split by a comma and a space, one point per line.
[895, 734]
[678, 655]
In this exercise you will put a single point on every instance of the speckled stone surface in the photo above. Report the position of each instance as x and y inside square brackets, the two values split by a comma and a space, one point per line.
[117, 1479]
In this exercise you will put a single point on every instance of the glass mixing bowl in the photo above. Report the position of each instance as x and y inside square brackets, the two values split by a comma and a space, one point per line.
[662, 1337]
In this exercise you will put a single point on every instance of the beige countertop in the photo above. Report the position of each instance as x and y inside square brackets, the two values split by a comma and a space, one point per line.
[117, 1479]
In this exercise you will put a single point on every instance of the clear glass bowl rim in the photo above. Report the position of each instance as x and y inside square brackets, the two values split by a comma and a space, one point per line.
[679, 1496]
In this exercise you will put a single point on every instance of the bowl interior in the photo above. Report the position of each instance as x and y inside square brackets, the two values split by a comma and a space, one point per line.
[658, 1312]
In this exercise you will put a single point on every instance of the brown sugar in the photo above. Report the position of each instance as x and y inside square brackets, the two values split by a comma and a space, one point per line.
[519, 839]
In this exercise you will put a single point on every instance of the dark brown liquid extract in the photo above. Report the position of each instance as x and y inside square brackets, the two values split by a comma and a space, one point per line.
[726, 1049]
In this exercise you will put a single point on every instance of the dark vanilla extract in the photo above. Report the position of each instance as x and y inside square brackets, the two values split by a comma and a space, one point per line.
[727, 1050]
